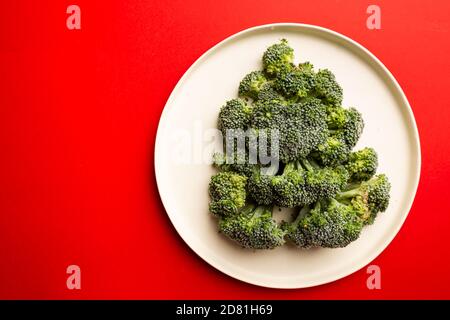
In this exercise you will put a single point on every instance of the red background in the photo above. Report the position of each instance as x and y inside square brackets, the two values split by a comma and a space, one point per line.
[79, 114]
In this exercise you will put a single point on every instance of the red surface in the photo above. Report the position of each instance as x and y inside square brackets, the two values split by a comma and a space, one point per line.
[79, 114]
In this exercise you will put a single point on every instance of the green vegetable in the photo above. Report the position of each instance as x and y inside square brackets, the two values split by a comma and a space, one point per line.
[311, 136]
[253, 228]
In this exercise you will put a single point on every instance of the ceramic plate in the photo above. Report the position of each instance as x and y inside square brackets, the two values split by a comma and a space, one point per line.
[185, 142]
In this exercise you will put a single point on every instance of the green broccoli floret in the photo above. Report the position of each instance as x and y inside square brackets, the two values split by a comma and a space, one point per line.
[301, 126]
[267, 115]
[353, 127]
[295, 83]
[234, 163]
[228, 193]
[305, 128]
[362, 164]
[260, 187]
[270, 94]
[306, 66]
[336, 117]
[327, 88]
[369, 197]
[278, 57]
[324, 182]
[235, 114]
[304, 182]
[333, 151]
[252, 84]
[290, 187]
[348, 123]
[253, 228]
[334, 225]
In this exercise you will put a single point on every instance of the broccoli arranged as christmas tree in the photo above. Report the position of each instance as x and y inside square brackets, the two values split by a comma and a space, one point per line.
[299, 111]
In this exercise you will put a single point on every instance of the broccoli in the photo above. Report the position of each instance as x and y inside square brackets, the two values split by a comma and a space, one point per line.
[267, 115]
[327, 88]
[290, 187]
[228, 193]
[260, 187]
[336, 117]
[301, 126]
[362, 164]
[369, 197]
[333, 151]
[235, 164]
[253, 227]
[306, 66]
[304, 182]
[324, 182]
[329, 225]
[348, 123]
[269, 93]
[296, 82]
[305, 128]
[299, 111]
[235, 114]
[252, 84]
[353, 127]
[278, 57]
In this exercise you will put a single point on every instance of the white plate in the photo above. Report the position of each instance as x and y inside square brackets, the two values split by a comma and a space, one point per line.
[193, 108]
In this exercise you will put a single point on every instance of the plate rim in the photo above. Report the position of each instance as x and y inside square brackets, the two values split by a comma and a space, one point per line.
[413, 129]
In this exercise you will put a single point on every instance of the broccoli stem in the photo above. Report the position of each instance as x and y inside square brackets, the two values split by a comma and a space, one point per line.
[352, 186]
[261, 211]
[247, 208]
[271, 171]
[349, 193]
[309, 165]
[289, 168]
[323, 202]
[314, 164]
[317, 205]
[336, 202]
[303, 212]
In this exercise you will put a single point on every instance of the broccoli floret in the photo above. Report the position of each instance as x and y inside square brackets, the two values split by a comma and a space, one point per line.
[334, 225]
[228, 193]
[347, 123]
[278, 57]
[362, 164]
[304, 182]
[260, 187]
[268, 115]
[336, 117]
[333, 151]
[290, 187]
[296, 82]
[235, 114]
[324, 182]
[253, 228]
[306, 66]
[234, 163]
[301, 127]
[305, 128]
[327, 87]
[252, 84]
[268, 93]
[369, 197]
[353, 128]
